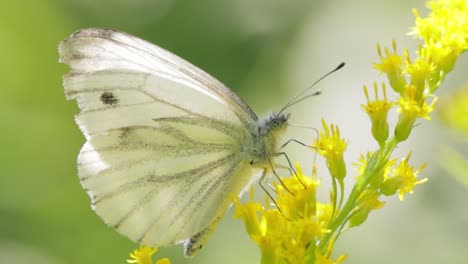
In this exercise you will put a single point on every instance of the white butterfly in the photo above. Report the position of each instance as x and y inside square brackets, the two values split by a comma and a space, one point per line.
[166, 143]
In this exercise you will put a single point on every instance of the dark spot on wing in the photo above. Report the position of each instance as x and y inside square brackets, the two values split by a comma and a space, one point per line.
[77, 56]
[108, 98]
[124, 135]
[124, 132]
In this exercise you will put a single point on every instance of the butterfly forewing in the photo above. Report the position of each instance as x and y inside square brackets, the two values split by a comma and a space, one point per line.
[164, 139]
[94, 50]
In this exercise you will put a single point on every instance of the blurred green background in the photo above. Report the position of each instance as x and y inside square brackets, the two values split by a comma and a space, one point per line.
[266, 51]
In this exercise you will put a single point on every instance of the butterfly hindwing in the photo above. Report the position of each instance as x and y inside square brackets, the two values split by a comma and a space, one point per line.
[163, 192]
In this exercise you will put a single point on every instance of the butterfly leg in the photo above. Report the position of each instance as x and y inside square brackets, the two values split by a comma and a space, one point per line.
[290, 166]
[284, 167]
[296, 141]
[263, 183]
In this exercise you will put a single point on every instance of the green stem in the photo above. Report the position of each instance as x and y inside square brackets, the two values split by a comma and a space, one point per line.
[373, 167]
[340, 204]
[334, 190]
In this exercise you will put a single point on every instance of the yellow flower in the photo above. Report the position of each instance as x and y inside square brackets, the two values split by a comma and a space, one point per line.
[392, 64]
[377, 110]
[299, 200]
[409, 105]
[248, 213]
[331, 146]
[419, 71]
[402, 178]
[144, 255]
[411, 108]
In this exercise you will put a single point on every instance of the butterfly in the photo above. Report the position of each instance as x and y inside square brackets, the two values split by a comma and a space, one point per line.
[166, 144]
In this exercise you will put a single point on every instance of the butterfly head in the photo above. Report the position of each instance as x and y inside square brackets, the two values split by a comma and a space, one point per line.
[272, 128]
[273, 124]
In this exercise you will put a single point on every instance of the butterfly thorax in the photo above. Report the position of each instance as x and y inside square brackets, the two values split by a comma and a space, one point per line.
[266, 136]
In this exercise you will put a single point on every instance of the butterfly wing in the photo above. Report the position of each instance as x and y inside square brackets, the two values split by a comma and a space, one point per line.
[164, 139]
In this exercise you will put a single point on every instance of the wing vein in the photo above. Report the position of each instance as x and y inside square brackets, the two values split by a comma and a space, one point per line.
[194, 173]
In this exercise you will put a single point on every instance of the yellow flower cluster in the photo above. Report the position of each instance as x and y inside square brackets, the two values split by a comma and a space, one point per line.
[288, 234]
[300, 229]
[445, 36]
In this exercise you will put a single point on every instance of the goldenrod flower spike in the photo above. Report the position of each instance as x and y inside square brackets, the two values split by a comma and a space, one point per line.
[445, 32]
[304, 230]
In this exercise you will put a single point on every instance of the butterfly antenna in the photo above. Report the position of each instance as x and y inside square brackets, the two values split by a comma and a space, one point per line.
[296, 99]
